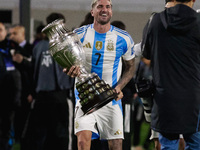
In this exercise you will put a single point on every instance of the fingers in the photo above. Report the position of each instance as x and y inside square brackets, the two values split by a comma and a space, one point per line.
[17, 58]
[12, 51]
[65, 70]
[74, 71]
[120, 95]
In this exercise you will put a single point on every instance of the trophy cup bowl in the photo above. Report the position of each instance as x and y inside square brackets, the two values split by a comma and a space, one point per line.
[67, 51]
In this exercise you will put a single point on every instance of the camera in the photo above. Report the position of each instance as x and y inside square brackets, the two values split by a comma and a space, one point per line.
[144, 87]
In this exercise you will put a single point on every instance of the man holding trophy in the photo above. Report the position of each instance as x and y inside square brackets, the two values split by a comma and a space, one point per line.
[103, 46]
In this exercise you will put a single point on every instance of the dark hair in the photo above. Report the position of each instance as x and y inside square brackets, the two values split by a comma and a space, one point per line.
[183, 1]
[177, 1]
[89, 19]
[119, 24]
[53, 16]
[39, 28]
[166, 1]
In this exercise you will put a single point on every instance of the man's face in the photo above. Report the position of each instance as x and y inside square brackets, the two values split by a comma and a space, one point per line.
[102, 11]
[3, 32]
[17, 34]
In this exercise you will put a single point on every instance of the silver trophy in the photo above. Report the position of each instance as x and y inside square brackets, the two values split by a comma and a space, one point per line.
[67, 51]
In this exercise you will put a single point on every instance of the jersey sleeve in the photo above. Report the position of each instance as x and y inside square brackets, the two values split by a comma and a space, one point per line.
[129, 49]
[81, 32]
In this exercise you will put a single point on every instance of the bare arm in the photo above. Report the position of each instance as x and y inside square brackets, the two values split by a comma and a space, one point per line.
[146, 61]
[127, 75]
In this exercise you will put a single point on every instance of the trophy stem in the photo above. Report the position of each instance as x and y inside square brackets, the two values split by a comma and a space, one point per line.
[83, 70]
[83, 74]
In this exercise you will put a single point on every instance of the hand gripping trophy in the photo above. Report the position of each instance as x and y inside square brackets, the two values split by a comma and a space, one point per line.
[67, 50]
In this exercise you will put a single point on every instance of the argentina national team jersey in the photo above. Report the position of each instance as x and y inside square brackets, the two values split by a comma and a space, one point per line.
[104, 51]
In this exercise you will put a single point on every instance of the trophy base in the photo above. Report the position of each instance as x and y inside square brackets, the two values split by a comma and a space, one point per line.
[98, 102]
[94, 93]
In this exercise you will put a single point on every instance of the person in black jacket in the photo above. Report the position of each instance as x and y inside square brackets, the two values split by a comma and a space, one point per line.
[17, 34]
[172, 43]
[10, 88]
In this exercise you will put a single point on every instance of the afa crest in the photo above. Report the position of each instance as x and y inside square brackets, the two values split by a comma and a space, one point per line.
[98, 45]
[110, 45]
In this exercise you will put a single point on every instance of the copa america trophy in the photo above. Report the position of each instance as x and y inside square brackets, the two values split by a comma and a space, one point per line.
[67, 50]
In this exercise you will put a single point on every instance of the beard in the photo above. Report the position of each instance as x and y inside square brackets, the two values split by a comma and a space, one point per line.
[103, 22]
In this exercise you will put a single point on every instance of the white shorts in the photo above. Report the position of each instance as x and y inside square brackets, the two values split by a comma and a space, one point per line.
[106, 121]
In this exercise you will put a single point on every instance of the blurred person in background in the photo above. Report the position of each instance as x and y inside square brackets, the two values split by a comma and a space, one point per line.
[50, 125]
[10, 87]
[39, 35]
[20, 57]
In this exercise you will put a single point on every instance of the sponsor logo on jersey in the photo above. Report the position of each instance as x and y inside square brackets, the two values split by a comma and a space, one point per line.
[110, 45]
[98, 45]
[88, 45]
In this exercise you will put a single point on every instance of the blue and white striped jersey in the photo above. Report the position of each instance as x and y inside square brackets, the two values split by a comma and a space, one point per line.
[104, 51]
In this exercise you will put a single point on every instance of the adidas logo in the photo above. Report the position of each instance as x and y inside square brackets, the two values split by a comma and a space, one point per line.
[87, 45]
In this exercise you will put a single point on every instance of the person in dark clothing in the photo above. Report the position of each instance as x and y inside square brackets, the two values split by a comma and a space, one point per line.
[172, 42]
[17, 34]
[10, 87]
[49, 125]
[51, 118]
[39, 35]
